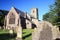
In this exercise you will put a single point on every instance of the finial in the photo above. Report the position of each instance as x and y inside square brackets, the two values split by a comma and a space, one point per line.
[12, 3]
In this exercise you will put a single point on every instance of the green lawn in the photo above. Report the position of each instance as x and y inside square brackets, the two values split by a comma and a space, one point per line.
[27, 34]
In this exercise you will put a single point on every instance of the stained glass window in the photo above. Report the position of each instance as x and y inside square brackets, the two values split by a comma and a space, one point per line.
[12, 19]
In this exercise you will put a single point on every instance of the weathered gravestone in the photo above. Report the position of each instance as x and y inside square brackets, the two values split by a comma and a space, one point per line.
[11, 32]
[43, 32]
[18, 30]
[19, 33]
[46, 33]
[55, 32]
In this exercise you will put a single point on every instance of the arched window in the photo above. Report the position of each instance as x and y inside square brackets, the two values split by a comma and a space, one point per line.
[12, 19]
[33, 11]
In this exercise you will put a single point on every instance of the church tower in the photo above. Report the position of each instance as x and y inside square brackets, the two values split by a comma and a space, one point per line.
[34, 13]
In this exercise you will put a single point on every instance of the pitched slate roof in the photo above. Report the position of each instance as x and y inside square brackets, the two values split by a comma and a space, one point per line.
[28, 17]
[19, 12]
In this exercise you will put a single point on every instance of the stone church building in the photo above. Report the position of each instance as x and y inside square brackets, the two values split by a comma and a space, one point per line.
[43, 30]
[16, 17]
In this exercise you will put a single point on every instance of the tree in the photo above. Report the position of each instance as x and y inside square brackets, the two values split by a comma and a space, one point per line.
[2, 16]
[58, 11]
[54, 13]
[51, 17]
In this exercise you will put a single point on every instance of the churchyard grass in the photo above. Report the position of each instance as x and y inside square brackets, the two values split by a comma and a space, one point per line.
[27, 34]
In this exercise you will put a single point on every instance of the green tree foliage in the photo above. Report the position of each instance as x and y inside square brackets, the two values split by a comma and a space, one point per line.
[53, 15]
[2, 16]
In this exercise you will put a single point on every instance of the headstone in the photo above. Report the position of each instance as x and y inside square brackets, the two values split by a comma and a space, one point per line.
[11, 32]
[35, 35]
[19, 33]
[43, 32]
[0, 27]
[55, 32]
[46, 33]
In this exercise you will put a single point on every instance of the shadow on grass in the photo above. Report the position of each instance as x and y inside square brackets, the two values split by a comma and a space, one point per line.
[6, 36]
[27, 36]
[23, 32]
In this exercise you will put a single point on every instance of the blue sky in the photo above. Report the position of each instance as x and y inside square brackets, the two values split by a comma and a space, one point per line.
[26, 5]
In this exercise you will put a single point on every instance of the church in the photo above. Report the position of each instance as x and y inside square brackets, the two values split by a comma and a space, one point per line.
[16, 17]
[43, 30]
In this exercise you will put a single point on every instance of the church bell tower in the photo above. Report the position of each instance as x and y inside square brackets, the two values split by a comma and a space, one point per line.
[34, 12]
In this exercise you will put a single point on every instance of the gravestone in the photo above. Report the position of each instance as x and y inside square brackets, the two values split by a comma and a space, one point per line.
[18, 30]
[35, 35]
[55, 32]
[46, 33]
[11, 32]
[19, 33]
[43, 32]
[0, 27]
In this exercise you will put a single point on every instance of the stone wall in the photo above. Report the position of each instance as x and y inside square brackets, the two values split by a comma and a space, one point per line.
[28, 24]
